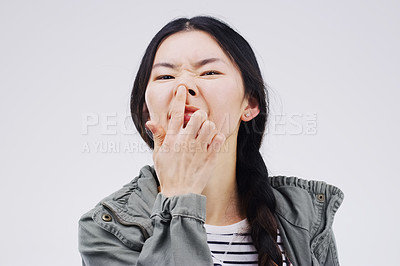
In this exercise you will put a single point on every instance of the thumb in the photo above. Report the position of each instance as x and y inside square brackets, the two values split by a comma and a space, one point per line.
[158, 133]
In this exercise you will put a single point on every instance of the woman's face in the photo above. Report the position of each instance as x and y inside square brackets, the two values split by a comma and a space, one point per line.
[213, 83]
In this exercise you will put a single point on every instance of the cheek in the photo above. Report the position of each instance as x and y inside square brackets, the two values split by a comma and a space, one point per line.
[226, 119]
[225, 102]
[157, 103]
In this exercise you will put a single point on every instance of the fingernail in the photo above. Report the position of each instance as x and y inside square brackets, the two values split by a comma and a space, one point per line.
[181, 88]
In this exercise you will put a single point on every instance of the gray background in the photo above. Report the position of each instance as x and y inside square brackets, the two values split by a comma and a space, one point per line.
[66, 72]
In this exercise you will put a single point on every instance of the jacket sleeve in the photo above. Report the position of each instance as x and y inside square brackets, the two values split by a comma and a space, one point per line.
[178, 238]
[331, 254]
[323, 244]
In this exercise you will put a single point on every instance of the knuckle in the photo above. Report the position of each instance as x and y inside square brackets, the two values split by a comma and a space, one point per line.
[212, 125]
[209, 125]
[205, 126]
[201, 114]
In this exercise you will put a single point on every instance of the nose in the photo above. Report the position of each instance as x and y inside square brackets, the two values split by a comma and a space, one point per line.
[192, 92]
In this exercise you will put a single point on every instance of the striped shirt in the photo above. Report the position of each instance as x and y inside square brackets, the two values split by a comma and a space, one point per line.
[233, 245]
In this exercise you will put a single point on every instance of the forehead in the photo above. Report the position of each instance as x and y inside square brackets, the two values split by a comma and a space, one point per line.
[194, 44]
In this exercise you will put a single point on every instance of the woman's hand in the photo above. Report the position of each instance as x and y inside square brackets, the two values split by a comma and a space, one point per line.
[184, 158]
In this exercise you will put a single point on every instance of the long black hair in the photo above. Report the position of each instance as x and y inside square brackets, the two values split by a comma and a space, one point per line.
[255, 193]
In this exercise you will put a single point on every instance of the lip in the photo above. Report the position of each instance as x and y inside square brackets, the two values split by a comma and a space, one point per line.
[189, 110]
[187, 117]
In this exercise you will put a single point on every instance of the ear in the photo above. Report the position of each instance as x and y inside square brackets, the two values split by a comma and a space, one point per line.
[251, 110]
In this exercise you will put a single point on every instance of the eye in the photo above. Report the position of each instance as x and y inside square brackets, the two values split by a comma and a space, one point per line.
[210, 73]
[165, 77]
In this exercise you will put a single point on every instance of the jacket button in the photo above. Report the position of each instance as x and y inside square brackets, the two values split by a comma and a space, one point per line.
[321, 197]
[106, 217]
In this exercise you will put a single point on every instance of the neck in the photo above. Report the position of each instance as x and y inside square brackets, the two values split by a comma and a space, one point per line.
[223, 206]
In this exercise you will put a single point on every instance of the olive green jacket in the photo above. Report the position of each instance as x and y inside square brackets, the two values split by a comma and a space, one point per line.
[139, 226]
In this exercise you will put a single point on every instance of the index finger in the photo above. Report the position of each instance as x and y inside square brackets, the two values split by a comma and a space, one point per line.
[177, 111]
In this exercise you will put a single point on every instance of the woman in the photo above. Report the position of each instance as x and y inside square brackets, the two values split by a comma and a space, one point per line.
[200, 102]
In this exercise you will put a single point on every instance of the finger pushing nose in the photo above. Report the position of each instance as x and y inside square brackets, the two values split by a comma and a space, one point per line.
[181, 89]
[188, 89]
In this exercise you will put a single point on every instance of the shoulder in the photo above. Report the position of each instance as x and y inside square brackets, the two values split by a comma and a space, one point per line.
[126, 212]
[305, 203]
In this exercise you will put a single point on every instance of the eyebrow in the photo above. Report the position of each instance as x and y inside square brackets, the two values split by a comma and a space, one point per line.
[196, 65]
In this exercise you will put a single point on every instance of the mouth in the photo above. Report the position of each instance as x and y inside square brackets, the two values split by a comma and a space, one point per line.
[189, 110]
[186, 119]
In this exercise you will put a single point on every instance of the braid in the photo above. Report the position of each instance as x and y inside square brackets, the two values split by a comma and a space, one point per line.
[257, 198]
